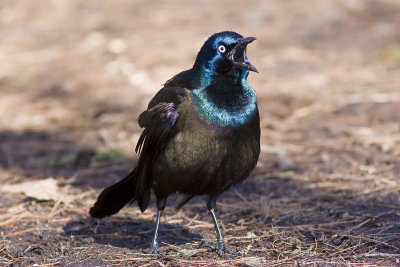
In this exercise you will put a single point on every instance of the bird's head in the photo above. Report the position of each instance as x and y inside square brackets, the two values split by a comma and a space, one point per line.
[223, 54]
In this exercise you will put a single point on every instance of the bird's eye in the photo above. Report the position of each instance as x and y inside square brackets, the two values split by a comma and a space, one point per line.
[221, 49]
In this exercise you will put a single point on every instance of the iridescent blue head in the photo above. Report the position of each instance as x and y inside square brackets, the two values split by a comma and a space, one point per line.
[223, 54]
[219, 83]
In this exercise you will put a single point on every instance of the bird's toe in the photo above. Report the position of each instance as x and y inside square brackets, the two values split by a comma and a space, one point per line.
[154, 250]
[221, 248]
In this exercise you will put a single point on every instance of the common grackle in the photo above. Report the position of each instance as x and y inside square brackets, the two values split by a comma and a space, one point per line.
[201, 135]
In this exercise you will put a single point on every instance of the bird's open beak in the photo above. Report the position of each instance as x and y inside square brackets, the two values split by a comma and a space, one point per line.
[238, 54]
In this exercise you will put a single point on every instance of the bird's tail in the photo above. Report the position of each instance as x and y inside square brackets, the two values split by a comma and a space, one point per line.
[114, 197]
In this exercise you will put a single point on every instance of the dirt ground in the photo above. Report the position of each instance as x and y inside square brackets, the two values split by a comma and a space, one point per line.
[74, 76]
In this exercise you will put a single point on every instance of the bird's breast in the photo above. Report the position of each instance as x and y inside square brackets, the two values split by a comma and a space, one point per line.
[225, 108]
[204, 156]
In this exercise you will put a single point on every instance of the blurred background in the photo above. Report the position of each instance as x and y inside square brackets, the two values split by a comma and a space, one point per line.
[75, 75]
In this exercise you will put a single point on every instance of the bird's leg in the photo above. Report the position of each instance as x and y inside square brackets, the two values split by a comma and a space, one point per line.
[154, 244]
[220, 246]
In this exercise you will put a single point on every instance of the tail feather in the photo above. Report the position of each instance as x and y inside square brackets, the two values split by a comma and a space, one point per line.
[115, 197]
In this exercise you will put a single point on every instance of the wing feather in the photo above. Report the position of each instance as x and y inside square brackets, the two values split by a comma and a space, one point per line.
[158, 122]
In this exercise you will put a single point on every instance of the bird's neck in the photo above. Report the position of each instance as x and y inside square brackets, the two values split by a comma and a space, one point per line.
[226, 100]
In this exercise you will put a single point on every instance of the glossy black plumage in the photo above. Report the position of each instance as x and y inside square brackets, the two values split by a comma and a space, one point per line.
[201, 135]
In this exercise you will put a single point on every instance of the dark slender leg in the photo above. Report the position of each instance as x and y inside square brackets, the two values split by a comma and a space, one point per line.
[220, 246]
[212, 202]
[154, 244]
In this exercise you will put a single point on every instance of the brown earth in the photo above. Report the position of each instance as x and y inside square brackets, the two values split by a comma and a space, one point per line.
[74, 75]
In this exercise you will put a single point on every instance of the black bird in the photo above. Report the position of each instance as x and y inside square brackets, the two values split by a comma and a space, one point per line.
[201, 135]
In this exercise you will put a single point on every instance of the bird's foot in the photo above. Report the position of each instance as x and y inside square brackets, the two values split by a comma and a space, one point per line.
[220, 247]
[154, 249]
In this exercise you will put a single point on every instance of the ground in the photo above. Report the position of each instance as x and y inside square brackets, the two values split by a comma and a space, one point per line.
[76, 74]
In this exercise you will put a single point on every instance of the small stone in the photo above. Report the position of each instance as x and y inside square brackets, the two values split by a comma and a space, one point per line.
[117, 46]
[337, 241]
[138, 78]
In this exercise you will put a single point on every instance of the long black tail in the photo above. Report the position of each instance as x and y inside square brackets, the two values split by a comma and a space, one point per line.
[114, 197]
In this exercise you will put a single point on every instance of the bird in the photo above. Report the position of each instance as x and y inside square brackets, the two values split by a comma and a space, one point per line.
[201, 136]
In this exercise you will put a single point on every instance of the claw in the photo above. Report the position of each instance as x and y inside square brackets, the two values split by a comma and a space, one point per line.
[154, 249]
[221, 248]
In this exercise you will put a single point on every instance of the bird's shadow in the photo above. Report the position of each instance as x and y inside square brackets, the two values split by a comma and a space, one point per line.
[122, 231]
[34, 155]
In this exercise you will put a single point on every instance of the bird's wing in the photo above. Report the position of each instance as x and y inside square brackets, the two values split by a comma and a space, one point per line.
[158, 122]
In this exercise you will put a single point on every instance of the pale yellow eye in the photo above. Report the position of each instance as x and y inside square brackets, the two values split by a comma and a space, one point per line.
[222, 49]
